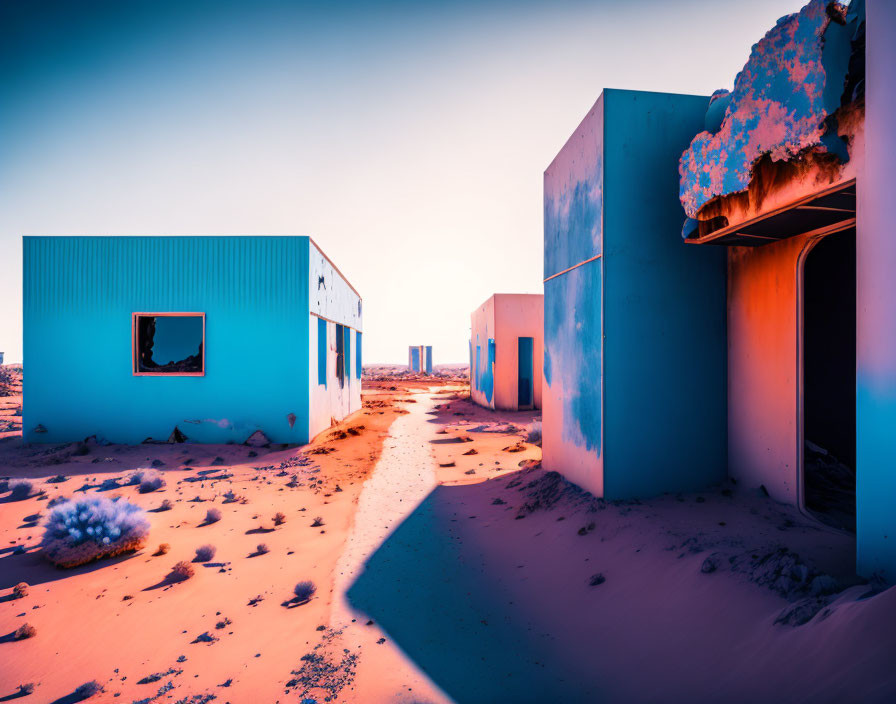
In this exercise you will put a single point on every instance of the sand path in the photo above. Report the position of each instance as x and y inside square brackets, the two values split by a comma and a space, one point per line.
[403, 477]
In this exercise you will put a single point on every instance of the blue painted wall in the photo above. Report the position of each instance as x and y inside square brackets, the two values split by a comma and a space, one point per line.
[573, 356]
[572, 393]
[635, 341]
[79, 294]
[484, 371]
[665, 366]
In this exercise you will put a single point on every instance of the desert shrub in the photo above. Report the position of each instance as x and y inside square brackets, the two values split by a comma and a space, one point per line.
[279, 518]
[262, 549]
[109, 484]
[304, 591]
[20, 489]
[26, 630]
[204, 553]
[83, 530]
[318, 522]
[150, 480]
[165, 506]
[20, 590]
[183, 570]
[87, 690]
[25, 689]
[213, 515]
[533, 432]
[56, 500]
[162, 549]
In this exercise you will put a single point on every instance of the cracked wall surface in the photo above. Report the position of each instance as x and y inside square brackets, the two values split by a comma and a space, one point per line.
[784, 104]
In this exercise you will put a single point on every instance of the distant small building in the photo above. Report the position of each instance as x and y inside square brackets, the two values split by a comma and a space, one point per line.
[420, 358]
[205, 338]
[506, 350]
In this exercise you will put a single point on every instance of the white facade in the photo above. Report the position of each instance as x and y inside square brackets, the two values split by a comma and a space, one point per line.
[332, 300]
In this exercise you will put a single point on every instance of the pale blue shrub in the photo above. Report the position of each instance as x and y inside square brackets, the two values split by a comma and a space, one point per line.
[20, 489]
[86, 529]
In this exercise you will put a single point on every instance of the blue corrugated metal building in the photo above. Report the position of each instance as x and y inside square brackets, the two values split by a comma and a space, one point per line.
[130, 338]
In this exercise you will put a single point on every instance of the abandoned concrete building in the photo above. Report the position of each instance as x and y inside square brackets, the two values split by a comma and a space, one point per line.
[420, 358]
[506, 351]
[766, 343]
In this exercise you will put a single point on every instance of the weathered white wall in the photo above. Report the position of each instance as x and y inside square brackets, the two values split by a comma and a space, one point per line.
[332, 298]
[876, 305]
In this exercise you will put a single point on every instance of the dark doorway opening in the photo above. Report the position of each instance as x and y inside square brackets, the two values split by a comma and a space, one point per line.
[525, 372]
[340, 354]
[829, 380]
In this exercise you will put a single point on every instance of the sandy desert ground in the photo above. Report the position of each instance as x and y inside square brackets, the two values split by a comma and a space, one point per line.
[449, 567]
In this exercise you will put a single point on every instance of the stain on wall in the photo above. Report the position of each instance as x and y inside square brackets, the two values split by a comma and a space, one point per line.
[573, 345]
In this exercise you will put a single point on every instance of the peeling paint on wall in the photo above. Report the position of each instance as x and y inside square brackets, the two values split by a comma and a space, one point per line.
[573, 348]
[783, 105]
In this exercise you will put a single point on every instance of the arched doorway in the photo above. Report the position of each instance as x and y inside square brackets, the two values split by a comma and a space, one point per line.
[829, 379]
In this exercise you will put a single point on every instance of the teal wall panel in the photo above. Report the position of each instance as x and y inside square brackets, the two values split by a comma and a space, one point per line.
[664, 310]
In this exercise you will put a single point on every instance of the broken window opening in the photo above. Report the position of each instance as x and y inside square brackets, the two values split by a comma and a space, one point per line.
[347, 347]
[322, 351]
[170, 344]
[340, 354]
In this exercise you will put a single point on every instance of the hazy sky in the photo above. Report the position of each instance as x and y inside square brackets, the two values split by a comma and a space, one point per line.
[408, 138]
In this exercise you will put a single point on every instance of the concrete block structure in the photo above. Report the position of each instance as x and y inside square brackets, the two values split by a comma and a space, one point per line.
[208, 339]
[792, 177]
[634, 322]
[420, 358]
[506, 351]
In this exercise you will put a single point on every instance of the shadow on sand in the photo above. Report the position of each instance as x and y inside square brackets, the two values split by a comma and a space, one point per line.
[33, 568]
[439, 600]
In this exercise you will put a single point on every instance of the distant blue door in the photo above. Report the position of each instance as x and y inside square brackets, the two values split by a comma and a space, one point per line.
[526, 372]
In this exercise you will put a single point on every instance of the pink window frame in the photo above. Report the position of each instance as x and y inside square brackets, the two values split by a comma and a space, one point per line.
[134, 317]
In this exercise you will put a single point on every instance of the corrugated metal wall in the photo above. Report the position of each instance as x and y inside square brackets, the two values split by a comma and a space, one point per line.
[79, 294]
